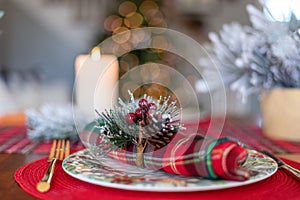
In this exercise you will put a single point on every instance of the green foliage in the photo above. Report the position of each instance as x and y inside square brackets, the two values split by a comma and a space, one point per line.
[119, 133]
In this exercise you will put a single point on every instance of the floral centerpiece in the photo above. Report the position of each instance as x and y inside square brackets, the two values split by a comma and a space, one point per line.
[260, 59]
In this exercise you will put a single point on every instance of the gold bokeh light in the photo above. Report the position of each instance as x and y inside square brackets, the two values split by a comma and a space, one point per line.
[112, 22]
[127, 8]
[148, 5]
[133, 21]
[132, 15]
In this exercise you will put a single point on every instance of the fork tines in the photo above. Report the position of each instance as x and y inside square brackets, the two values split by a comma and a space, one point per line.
[60, 149]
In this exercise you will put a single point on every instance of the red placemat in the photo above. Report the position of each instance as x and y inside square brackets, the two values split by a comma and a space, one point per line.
[279, 186]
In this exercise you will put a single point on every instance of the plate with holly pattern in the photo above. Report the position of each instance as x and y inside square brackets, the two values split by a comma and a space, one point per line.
[108, 172]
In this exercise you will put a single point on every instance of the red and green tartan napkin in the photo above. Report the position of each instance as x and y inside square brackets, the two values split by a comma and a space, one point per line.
[186, 154]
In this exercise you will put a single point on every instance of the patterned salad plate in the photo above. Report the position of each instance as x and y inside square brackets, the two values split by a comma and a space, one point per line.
[112, 173]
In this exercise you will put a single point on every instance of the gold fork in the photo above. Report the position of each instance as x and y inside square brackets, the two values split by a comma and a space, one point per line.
[60, 149]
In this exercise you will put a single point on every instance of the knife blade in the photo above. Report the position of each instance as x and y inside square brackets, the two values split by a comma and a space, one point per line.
[295, 173]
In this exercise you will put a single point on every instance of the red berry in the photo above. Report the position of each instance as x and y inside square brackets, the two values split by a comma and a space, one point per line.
[139, 113]
[143, 103]
[131, 118]
[152, 106]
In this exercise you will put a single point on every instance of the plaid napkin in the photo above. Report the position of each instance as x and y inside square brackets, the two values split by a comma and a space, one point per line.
[186, 154]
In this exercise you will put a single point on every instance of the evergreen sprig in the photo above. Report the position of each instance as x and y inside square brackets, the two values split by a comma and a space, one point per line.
[120, 133]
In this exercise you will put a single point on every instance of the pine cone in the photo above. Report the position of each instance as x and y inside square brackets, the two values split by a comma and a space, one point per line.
[160, 131]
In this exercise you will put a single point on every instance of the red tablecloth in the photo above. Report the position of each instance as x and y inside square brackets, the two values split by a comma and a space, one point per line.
[279, 186]
[13, 139]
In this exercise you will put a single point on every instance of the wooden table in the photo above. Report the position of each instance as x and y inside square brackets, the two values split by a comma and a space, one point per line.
[9, 189]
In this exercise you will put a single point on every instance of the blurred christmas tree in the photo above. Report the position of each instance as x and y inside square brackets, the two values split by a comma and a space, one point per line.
[131, 14]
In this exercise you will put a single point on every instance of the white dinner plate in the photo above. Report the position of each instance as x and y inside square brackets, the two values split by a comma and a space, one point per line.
[112, 173]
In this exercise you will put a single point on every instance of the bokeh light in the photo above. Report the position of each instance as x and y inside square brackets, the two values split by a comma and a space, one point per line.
[131, 15]
[148, 5]
[127, 8]
[128, 61]
[156, 90]
[126, 46]
[157, 19]
[133, 21]
[140, 36]
[121, 38]
[112, 22]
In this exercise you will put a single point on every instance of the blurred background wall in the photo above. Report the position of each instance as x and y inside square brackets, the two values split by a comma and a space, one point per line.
[41, 38]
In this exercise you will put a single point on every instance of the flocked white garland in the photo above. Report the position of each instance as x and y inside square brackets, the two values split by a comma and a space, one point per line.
[258, 57]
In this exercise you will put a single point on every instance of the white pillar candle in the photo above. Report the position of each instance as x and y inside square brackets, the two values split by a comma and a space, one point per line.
[96, 82]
